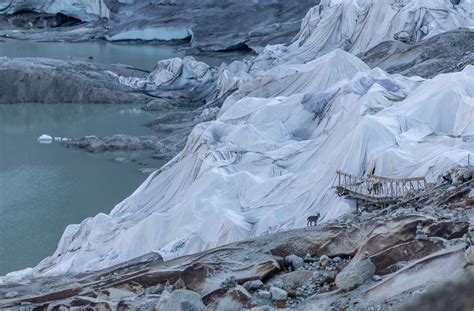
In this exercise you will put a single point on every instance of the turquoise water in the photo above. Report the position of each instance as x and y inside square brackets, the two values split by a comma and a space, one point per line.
[142, 56]
[43, 188]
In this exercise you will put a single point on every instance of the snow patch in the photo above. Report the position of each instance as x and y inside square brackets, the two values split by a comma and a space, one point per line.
[153, 33]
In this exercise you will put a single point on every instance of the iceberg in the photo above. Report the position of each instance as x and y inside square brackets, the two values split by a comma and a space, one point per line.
[45, 139]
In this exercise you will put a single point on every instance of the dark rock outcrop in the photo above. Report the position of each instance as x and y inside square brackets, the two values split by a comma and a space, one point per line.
[447, 52]
[117, 142]
[39, 80]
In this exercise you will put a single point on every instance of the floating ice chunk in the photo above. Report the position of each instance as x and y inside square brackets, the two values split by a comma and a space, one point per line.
[45, 139]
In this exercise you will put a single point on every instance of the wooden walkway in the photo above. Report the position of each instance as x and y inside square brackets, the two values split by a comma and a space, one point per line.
[377, 189]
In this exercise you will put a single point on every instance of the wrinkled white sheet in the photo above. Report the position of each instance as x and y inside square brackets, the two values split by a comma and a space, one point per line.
[270, 158]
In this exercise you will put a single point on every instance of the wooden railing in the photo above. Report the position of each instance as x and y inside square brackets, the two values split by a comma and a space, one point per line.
[377, 186]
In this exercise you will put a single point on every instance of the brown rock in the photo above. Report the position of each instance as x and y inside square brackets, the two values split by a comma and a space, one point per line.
[194, 276]
[469, 202]
[330, 240]
[448, 229]
[231, 299]
[404, 252]
[280, 304]
[181, 300]
[391, 233]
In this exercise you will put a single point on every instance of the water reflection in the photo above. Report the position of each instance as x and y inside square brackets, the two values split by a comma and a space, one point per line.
[43, 188]
[142, 56]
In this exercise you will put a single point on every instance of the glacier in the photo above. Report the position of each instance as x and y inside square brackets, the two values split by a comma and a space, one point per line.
[297, 113]
[153, 33]
[85, 10]
[243, 24]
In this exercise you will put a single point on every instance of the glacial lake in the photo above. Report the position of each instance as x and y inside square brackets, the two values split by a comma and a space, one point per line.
[141, 56]
[43, 188]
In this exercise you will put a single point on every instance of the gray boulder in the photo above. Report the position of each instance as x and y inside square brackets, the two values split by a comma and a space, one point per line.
[264, 294]
[278, 294]
[294, 261]
[253, 285]
[356, 273]
[181, 300]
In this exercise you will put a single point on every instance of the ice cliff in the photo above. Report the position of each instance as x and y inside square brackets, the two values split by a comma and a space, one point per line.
[85, 10]
[240, 24]
[299, 113]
